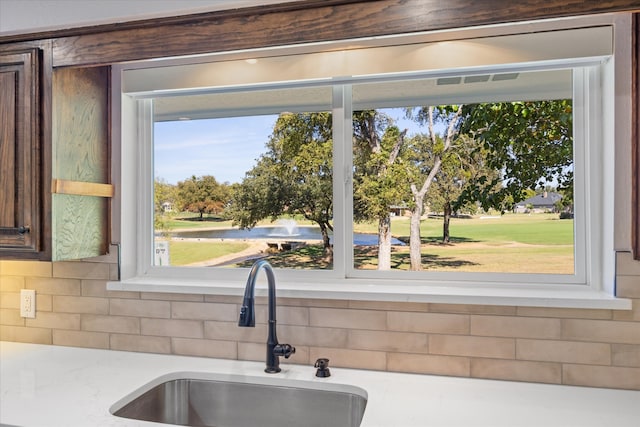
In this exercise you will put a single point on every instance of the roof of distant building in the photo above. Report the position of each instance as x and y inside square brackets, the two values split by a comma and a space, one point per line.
[546, 199]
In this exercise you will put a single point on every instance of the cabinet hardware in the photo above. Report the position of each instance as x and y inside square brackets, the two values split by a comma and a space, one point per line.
[78, 188]
[14, 230]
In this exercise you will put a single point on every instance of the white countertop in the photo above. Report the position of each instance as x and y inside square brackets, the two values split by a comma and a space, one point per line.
[62, 386]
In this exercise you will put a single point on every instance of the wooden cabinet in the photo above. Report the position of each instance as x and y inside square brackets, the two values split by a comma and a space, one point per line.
[54, 157]
[20, 154]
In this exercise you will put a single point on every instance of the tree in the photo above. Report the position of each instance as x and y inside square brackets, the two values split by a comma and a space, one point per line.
[530, 142]
[380, 178]
[293, 177]
[163, 192]
[202, 195]
[460, 165]
[432, 148]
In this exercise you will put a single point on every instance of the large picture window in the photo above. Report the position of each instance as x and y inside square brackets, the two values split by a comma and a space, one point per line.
[429, 163]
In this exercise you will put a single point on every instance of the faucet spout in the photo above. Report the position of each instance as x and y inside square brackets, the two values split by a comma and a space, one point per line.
[247, 316]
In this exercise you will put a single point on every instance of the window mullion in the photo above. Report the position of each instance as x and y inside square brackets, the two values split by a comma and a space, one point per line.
[342, 180]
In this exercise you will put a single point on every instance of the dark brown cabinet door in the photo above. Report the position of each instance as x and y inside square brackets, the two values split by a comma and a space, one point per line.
[20, 192]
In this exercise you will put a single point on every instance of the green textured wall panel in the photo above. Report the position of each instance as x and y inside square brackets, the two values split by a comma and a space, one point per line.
[80, 153]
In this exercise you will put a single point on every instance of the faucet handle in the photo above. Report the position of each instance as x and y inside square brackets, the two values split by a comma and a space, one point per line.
[285, 350]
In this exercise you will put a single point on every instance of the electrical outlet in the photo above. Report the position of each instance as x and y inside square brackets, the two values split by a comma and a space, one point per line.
[28, 303]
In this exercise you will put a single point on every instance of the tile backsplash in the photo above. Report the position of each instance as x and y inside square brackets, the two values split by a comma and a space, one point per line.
[584, 347]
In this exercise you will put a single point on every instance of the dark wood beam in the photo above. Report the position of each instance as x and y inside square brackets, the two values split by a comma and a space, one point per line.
[302, 22]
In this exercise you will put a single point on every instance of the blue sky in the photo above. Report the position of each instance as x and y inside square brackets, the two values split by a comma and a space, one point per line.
[225, 148]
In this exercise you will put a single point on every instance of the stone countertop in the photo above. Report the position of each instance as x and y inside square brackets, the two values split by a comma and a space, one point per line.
[43, 385]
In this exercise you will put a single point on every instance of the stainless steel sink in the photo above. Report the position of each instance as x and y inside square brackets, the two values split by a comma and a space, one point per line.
[208, 400]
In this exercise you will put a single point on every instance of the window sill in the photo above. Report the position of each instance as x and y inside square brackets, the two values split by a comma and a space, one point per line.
[556, 296]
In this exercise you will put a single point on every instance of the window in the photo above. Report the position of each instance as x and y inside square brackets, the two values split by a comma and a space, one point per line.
[317, 161]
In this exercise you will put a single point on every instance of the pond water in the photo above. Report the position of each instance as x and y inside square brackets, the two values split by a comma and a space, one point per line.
[276, 232]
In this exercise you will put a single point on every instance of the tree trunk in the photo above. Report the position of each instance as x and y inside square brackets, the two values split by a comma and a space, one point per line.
[445, 223]
[326, 242]
[415, 240]
[384, 243]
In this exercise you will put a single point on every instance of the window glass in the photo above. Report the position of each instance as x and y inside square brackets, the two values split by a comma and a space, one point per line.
[232, 186]
[482, 185]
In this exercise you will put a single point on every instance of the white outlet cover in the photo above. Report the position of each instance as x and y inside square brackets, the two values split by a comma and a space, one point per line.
[28, 303]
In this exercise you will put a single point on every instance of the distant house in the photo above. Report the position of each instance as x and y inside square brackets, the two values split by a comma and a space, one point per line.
[167, 207]
[543, 202]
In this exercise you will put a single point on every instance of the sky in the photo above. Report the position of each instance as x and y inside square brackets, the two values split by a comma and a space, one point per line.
[225, 148]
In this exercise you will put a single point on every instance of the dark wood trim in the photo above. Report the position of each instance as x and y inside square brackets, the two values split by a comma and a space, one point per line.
[300, 22]
[635, 137]
[171, 20]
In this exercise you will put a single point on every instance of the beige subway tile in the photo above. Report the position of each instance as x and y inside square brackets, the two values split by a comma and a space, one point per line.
[23, 334]
[462, 345]
[252, 351]
[232, 332]
[347, 358]
[628, 286]
[44, 302]
[81, 270]
[428, 364]
[10, 300]
[88, 305]
[626, 265]
[602, 376]
[517, 327]
[204, 311]
[141, 343]
[408, 342]
[300, 357]
[256, 352]
[564, 351]
[517, 370]
[284, 315]
[172, 328]
[437, 323]
[346, 318]
[81, 339]
[223, 299]
[166, 296]
[601, 331]
[205, 348]
[55, 321]
[302, 302]
[98, 288]
[26, 268]
[53, 286]
[568, 313]
[632, 315]
[116, 324]
[140, 308]
[11, 317]
[389, 306]
[11, 283]
[312, 337]
[473, 309]
[626, 355]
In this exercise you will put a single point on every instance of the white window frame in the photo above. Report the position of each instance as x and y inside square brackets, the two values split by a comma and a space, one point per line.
[595, 289]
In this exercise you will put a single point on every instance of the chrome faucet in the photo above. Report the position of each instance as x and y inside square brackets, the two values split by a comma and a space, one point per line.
[248, 319]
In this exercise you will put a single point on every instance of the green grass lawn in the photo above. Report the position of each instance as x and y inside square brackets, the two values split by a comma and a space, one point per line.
[538, 229]
[187, 252]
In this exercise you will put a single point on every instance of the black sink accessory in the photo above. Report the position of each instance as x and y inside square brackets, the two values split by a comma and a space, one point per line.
[323, 368]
